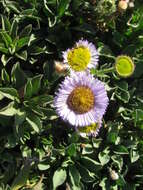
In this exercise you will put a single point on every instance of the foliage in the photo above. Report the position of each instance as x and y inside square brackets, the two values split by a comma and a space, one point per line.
[39, 151]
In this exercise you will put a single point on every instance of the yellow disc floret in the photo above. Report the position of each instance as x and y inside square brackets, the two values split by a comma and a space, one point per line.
[88, 129]
[78, 58]
[81, 100]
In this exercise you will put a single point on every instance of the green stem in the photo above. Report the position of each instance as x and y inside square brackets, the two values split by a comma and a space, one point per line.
[111, 69]
[109, 56]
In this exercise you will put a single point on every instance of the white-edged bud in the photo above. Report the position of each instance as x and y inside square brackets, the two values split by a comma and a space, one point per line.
[114, 175]
[131, 4]
[127, 1]
[122, 5]
[60, 67]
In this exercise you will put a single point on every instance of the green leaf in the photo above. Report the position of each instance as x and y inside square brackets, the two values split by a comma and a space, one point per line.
[43, 166]
[34, 122]
[71, 150]
[37, 50]
[134, 155]
[121, 181]
[5, 23]
[123, 96]
[26, 31]
[5, 76]
[39, 185]
[118, 160]
[87, 149]
[36, 84]
[59, 177]
[13, 6]
[104, 158]
[130, 187]
[74, 138]
[14, 29]
[62, 7]
[22, 42]
[43, 100]
[90, 164]
[10, 93]
[18, 77]
[3, 49]
[48, 70]
[6, 38]
[138, 115]
[86, 175]
[49, 113]
[74, 177]
[33, 86]
[112, 137]
[121, 150]
[28, 90]
[123, 85]
[22, 55]
[9, 110]
[138, 70]
[5, 59]
[104, 183]
[22, 177]
[104, 50]
[96, 142]
[32, 38]
[20, 117]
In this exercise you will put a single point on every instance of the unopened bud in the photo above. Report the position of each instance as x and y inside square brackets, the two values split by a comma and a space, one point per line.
[60, 67]
[127, 1]
[114, 175]
[124, 66]
[131, 4]
[122, 5]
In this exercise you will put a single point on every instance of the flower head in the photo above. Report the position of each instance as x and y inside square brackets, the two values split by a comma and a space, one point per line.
[81, 57]
[124, 66]
[90, 130]
[81, 99]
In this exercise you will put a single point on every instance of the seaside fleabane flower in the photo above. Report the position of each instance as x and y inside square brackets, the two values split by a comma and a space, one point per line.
[81, 99]
[83, 56]
[90, 130]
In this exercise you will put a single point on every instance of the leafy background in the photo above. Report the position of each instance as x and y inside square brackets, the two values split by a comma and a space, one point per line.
[38, 151]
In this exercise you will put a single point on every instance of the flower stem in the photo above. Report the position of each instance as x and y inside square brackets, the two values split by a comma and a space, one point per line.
[111, 69]
[109, 56]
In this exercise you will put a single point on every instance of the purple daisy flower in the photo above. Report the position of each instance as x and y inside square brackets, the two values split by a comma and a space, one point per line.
[81, 99]
[83, 56]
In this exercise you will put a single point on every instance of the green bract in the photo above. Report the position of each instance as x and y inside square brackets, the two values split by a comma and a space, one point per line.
[124, 66]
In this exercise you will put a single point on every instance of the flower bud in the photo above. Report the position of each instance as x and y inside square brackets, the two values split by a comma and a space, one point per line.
[122, 5]
[131, 4]
[60, 67]
[124, 66]
[114, 175]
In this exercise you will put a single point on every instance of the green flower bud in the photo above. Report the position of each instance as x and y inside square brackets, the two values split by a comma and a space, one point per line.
[124, 66]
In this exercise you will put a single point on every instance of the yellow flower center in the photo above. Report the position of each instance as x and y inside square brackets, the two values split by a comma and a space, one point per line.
[79, 58]
[87, 129]
[81, 100]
